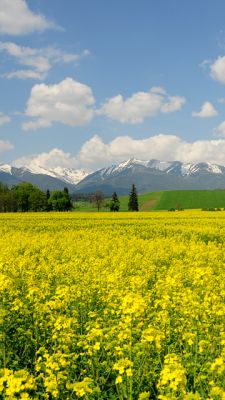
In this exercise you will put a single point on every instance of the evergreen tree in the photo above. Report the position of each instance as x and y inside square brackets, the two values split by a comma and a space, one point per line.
[133, 199]
[69, 204]
[114, 203]
[48, 203]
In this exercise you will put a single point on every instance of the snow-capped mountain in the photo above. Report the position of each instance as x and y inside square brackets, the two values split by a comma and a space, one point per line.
[186, 169]
[148, 175]
[68, 175]
[170, 167]
[154, 175]
[53, 178]
[5, 168]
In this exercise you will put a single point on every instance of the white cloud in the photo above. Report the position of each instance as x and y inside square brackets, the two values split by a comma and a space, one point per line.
[38, 61]
[4, 119]
[96, 154]
[5, 145]
[69, 102]
[141, 105]
[54, 158]
[37, 124]
[25, 74]
[174, 103]
[207, 111]
[217, 69]
[220, 130]
[17, 19]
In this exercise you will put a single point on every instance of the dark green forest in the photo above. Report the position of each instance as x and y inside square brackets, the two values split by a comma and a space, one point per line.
[27, 197]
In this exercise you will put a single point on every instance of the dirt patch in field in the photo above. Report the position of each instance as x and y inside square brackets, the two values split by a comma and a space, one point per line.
[148, 205]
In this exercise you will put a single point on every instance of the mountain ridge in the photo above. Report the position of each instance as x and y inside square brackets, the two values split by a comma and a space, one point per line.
[146, 174]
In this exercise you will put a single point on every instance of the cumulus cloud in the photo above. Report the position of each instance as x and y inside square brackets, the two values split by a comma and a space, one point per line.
[54, 158]
[141, 105]
[5, 145]
[95, 153]
[4, 119]
[68, 102]
[38, 61]
[207, 111]
[17, 19]
[217, 69]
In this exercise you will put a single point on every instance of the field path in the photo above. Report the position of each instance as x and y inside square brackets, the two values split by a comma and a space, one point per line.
[148, 205]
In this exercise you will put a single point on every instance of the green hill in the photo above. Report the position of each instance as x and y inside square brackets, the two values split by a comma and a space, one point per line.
[146, 201]
[187, 199]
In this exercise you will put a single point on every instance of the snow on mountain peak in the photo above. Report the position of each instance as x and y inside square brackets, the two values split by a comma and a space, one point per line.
[124, 164]
[169, 167]
[190, 169]
[215, 169]
[68, 175]
[6, 168]
[73, 176]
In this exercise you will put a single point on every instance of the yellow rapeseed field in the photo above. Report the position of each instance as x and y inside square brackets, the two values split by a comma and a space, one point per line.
[112, 306]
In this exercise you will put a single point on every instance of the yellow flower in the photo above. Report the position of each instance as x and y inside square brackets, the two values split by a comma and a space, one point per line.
[119, 379]
[82, 388]
[144, 396]
[96, 346]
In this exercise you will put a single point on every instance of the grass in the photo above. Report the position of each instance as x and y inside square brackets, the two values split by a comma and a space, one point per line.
[84, 206]
[146, 201]
[187, 199]
[191, 199]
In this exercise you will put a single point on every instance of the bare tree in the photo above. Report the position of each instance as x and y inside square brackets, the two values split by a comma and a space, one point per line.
[98, 199]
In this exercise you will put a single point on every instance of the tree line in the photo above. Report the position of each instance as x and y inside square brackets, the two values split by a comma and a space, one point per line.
[26, 197]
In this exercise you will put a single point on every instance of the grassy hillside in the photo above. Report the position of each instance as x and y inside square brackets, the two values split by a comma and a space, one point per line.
[187, 199]
[146, 201]
[191, 199]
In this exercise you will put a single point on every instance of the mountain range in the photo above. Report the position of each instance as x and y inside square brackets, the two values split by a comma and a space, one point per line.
[151, 175]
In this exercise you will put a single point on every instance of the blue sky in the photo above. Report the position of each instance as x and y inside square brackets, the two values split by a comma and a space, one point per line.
[88, 83]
